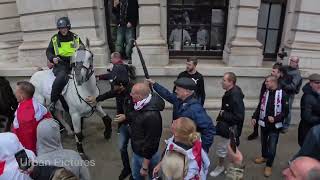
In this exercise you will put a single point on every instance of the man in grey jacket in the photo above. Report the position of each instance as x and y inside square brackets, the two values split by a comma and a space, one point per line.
[291, 83]
[51, 153]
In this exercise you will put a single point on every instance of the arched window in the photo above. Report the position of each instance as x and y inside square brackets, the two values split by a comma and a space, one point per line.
[197, 27]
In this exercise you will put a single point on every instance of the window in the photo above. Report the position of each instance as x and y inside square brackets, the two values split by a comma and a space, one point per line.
[270, 25]
[197, 27]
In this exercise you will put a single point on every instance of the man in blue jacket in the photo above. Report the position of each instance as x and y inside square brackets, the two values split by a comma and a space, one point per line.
[185, 105]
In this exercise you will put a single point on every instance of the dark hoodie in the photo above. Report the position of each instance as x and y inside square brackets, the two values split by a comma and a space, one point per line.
[233, 109]
[146, 127]
[310, 111]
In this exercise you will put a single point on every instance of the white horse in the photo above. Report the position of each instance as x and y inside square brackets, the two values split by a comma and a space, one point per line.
[82, 83]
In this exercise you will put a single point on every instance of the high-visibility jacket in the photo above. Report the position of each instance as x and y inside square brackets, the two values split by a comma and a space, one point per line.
[65, 49]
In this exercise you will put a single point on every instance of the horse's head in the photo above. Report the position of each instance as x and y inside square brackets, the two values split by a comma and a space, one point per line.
[82, 63]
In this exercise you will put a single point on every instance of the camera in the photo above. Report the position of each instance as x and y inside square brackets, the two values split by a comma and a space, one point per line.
[282, 54]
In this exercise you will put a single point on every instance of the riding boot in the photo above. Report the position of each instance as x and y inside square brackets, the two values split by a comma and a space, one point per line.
[255, 133]
[79, 138]
[108, 129]
[64, 103]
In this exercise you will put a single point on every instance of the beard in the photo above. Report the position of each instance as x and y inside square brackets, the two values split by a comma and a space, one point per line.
[190, 69]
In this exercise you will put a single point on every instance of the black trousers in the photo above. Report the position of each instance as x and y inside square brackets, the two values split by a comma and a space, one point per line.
[61, 71]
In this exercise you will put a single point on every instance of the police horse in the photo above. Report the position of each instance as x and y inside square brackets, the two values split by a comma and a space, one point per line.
[81, 84]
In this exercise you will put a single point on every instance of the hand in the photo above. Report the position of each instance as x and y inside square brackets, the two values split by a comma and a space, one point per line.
[253, 122]
[237, 157]
[156, 170]
[91, 99]
[129, 25]
[56, 60]
[271, 119]
[115, 3]
[150, 81]
[120, 118]
[49, 65]
[143, 172]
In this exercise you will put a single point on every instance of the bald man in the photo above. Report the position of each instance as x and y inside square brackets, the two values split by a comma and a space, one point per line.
[146, 129]
[302, 168]
[291, 82]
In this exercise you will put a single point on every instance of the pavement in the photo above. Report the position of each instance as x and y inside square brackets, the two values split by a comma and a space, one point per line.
[107, 162]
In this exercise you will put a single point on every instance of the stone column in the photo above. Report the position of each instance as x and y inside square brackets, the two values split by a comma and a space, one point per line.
[152, 44]
[306, 30]
[10, 32]
[38, 22]
[242, 47]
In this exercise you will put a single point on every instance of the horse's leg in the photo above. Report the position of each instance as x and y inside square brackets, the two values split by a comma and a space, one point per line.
[76, 121]
[59, 116]
[106, 121]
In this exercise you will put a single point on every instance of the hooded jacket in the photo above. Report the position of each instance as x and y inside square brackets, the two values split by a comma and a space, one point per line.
[233, 109]
[146, 127]
[51, 152]
[310, 112]
[192, 109]
[27, 117]
[197, 160]
[9, 146]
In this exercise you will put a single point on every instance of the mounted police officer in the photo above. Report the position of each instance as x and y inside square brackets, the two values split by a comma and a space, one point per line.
[59, 52]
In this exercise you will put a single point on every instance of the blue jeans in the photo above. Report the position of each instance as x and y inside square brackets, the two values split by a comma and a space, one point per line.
[124, 36]
[124, 138]
[287, 120]
[137, 165]
[269, 142]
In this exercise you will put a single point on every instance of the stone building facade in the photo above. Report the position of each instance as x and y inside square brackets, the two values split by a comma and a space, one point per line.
[27, 26]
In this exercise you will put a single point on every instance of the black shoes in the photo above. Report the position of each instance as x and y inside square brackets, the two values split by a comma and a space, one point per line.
[124, 174]
[253, 136]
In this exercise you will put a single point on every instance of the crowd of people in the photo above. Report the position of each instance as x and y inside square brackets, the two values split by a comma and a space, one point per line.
[33, 148]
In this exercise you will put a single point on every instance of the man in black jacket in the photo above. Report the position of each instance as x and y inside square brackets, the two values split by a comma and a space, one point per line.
[231, 115]
[192, 73]
[146, 129]
[127, 15]
[310, 107]
[59, 52]
[291, 82]
[121, 88]
[271, 111]
[277, 73]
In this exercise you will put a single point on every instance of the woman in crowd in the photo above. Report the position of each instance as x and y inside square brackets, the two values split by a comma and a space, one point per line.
[183, 157]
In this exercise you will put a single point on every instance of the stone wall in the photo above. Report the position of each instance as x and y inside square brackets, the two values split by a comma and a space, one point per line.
[10, 31]
[38, 23]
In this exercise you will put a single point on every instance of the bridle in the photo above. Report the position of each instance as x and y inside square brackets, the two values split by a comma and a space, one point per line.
[77, 66]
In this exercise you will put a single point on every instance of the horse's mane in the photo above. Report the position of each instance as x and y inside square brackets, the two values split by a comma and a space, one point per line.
[8, 101]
